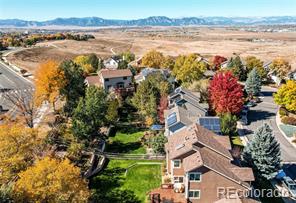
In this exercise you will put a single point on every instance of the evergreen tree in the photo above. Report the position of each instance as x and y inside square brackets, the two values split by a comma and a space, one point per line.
[94, 61]
[237, 68]
[74, 87]
[263, 153]
[90, 113]
[112, 112]
[253, 83]
[123, 64]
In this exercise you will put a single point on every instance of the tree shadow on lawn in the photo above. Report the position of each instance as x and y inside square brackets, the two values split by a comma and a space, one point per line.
[129, 129]
[119, 147]
[106, 187]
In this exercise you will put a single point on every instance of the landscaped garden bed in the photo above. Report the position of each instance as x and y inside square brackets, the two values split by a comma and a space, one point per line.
[289, 130]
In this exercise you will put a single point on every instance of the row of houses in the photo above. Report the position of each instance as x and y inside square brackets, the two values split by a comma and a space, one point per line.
[112, 77]
[199, 161]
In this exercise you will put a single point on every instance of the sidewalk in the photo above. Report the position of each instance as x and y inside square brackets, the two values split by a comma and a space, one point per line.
[241, 132]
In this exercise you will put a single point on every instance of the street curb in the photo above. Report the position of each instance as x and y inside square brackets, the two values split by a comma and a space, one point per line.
[15, 72]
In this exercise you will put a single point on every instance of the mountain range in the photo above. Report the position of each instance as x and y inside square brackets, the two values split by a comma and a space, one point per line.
[152, 21]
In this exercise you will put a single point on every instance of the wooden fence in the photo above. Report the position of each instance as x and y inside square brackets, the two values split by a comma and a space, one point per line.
[134, 156]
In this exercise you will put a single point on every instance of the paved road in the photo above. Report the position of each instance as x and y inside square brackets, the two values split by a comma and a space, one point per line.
[10, 80]
[266, 112]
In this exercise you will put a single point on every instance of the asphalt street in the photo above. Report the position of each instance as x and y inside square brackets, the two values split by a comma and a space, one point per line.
[265, 112]
[10, 81]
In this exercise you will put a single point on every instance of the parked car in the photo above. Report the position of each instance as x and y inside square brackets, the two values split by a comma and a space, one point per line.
[291, 185]
[251, 104]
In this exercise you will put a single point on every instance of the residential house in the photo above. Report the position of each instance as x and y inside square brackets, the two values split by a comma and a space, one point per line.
[200, 167]
[185, 108]
[224, 64]
[112, 79]
[209, 74]
[202, 59]
[149, 71]
[112, 63]
[266, 66]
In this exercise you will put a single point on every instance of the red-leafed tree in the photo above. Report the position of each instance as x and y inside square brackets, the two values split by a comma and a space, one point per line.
[217, 61]
[163, 104]
[226, 94]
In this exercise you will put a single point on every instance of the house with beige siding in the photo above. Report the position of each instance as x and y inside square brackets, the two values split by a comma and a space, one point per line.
[112, 80]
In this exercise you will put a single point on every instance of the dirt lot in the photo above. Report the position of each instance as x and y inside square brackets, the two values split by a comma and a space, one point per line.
[170, 41]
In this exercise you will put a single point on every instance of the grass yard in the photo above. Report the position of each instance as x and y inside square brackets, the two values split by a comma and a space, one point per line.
[132, 186]
[126, 141]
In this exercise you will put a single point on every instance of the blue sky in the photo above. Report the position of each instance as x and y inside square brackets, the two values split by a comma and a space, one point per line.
[134, 9]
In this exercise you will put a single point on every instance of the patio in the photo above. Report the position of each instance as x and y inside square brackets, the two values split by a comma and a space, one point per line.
[166, 195]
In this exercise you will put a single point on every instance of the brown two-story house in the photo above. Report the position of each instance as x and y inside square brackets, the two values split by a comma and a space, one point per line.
[201, 168]
[112, 80]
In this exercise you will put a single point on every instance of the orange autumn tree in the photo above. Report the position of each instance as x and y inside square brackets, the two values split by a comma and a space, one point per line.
[51, 181]
[49, 80]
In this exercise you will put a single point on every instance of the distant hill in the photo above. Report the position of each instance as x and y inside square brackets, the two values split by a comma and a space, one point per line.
[152, 21]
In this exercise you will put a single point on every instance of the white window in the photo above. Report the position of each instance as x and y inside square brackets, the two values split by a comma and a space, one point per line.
[194, 177]
[194, 194]
[178, 179]
[177, 163]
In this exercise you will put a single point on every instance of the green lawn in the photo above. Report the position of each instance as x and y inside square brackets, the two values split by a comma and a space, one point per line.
[126, 141]
[132, 186]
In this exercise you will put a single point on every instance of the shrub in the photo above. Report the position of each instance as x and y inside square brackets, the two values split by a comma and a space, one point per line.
[289, 120]
[228, 124]
[158, 144]
[283, 112]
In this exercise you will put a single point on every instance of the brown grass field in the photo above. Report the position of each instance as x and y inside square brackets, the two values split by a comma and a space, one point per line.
[171, 41]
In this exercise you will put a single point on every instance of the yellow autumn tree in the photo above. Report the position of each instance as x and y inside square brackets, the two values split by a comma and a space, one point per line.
[188, 68]
[18, 145]
[85, 63]
[286, 95]
[281, 67]
[153, 59]
[51, 181]
[49, 80]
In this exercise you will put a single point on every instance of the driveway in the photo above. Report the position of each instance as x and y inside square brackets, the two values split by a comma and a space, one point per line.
[265, 112]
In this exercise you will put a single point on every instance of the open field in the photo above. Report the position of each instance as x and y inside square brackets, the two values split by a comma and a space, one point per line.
[171, 41]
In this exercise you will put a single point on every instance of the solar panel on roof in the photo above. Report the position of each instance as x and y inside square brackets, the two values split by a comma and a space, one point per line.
[172, 119]
[210, 123]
